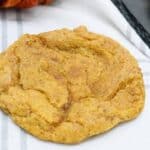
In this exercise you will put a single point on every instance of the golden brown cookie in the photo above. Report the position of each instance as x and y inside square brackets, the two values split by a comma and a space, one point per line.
[68, 85]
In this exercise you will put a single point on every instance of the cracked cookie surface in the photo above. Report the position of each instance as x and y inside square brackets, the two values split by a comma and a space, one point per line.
[68, 85]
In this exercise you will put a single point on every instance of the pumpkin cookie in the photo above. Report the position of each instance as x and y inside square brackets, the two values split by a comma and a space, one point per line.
[68, 85]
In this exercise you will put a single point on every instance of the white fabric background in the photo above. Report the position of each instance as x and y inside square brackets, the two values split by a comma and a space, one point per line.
[99, 16]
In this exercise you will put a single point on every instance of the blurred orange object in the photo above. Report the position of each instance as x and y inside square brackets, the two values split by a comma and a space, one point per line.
[27, 3]
[9, 3]
[22, 3]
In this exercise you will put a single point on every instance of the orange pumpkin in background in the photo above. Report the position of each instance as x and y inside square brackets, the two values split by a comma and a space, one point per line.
[22, 3]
